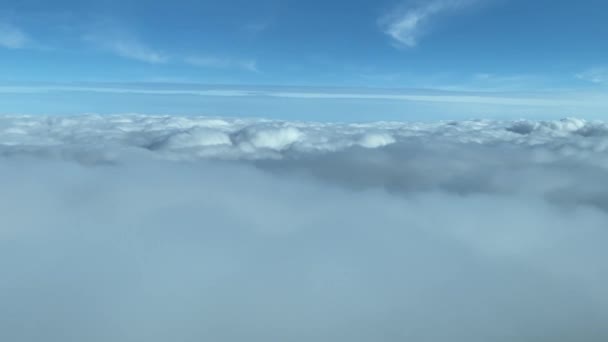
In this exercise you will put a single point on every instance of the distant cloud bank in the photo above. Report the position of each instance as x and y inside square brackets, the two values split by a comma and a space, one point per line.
[194, 138]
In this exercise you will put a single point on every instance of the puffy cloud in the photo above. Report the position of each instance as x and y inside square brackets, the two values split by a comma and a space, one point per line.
[131, 227]
[186, 137]
[374, 140]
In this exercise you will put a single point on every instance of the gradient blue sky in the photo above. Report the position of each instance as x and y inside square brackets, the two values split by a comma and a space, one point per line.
[552, 49]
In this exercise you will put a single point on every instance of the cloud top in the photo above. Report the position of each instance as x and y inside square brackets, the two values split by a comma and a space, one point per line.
[227, 138]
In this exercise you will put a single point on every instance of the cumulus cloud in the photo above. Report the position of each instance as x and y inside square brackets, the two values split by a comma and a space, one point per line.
[12, 37]
[125, 45]
[156, 228]
[406, 23]
[222, 63]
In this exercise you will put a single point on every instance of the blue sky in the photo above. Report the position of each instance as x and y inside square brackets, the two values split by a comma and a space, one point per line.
[521, 47]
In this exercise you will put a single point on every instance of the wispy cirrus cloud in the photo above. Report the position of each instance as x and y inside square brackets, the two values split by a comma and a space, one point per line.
[222, 63]
[406, 23]
[126, 45]
[12, 37]
[597, 75]
[456, 96]
[257, 27]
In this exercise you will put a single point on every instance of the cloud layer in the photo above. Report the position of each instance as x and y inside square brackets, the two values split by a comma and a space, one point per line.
[133, 228]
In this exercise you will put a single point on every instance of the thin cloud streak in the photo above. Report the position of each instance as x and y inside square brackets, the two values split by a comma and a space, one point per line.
[222, 63]
[598, 75]
[12, 37]
[489, 98]
[125, 45]
[406, 24]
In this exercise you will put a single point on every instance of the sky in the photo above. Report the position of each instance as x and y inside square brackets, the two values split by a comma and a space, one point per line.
[552, 49]
[378, 170]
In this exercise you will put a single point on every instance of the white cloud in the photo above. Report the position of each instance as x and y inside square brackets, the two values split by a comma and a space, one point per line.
[597, 75]
[174, 137]
[132, 228]
[11, 37]
[555, 99]
[110, 37]
[223, 63]
[125, 45]
[407, 23]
